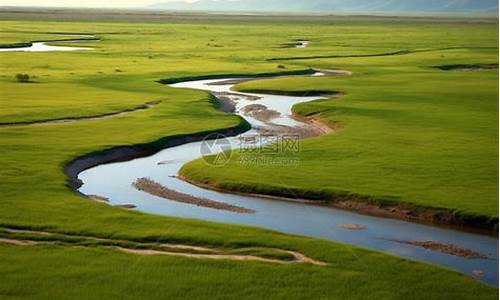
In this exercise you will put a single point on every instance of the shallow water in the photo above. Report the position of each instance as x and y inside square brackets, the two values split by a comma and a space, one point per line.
[302, 44]
[43, 47]
[114, 181]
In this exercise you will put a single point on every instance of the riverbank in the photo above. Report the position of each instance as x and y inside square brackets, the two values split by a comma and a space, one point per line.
[123, 153]
[364, 205]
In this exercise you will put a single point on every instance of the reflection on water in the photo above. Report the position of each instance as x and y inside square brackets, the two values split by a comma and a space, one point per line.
[43, 47]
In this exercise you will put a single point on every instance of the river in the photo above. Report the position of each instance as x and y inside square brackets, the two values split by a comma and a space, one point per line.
[114, 181]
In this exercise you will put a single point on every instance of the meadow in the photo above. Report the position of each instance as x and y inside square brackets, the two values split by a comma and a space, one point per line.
[421, 135]
[407, 132]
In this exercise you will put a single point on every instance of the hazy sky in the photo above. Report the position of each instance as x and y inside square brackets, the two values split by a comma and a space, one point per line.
[84, 3]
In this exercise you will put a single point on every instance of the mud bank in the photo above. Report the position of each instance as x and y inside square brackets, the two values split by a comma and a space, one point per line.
[379, 207]
[123, 153]
[445, 248]
[149, 186]
[428, 215]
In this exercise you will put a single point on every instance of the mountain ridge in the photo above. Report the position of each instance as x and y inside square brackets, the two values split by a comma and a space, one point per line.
[341, 6]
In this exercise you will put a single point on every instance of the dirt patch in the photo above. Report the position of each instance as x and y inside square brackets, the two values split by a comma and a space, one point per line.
[98, 198]
[201, 256]
[444, 248]
[145, 106]
[297, 257]
[313, 126]
[317, 126]
[18, 242]
[329, 72]
[260, 112]
[189, 247]
[139, 248]
[302, 258]
[280, 130]
[320, 125]
[226, 101]
[126, 206]
[11, 230]
[372, 209]
[151, 187]
[351, 226]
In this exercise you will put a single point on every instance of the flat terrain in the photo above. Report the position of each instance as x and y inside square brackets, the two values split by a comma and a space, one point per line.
[407, 130]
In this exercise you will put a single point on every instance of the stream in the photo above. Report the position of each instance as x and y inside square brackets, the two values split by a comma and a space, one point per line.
[40, 46]
[114, 182]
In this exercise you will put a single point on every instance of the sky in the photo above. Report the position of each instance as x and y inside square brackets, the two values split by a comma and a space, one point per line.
[85, 3]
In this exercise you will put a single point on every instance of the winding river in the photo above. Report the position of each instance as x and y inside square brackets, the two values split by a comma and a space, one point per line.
[114, 182]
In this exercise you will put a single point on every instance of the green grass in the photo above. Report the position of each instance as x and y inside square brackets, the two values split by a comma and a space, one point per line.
[96, 273]
[406, 132]
[388, 114]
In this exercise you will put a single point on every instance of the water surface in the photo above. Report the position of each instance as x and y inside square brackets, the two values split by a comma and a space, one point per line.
[44, 47]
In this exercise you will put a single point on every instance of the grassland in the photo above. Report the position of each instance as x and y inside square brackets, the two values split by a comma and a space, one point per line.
[408, 133]
[36, 195]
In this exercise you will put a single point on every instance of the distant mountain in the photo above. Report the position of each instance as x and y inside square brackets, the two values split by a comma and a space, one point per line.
[341, 6]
